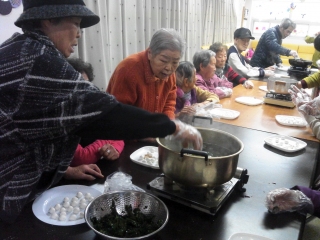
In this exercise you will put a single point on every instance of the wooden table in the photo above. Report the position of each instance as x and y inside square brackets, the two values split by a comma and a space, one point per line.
[262, 117]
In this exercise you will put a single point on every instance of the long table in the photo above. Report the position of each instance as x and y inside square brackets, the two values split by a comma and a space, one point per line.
[262, 117]
[245, 212]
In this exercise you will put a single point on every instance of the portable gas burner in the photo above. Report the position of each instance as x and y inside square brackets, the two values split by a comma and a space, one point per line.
[298, 73]
[299, 68]
[283, 100]
[203, 199]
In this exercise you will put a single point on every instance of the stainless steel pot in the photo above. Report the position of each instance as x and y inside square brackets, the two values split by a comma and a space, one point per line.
[212, 167]
[280, 85]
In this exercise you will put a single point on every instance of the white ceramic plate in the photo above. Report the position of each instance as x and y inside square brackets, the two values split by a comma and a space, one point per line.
[292, 121]
[285, 143]
[146, 156]
[249, 101]
[264, 88]
[247, 236]
[283, 68]
[225, 113]
[53, 196]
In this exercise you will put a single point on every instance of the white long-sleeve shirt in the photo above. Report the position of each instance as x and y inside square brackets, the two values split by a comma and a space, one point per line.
[245, 69]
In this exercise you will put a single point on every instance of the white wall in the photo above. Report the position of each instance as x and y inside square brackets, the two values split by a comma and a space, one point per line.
[7, 27]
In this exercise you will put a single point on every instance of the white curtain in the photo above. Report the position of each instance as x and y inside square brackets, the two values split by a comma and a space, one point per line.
[225, 21]
[126, 27]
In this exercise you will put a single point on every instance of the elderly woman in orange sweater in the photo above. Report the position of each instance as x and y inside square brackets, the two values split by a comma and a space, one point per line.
[147, 79]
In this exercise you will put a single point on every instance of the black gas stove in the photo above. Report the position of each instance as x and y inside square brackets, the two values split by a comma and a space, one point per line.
[202, 199]
[298, 73]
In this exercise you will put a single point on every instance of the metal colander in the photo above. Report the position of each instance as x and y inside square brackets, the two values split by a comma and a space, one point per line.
[147, 203]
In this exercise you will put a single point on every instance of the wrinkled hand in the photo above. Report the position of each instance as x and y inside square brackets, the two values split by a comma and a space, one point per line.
[294, 54]
[287, 200]
[299, 96]
[189, 136]
[83, 172]
[190, 110]
[248, 84]
[268, 73]
[311, 107]
[187, 114]
[227, 91]
[108, 151]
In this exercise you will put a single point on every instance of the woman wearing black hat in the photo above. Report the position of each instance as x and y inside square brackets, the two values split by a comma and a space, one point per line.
[46, 106]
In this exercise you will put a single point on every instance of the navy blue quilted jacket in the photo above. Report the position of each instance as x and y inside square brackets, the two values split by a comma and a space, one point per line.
[268, 49]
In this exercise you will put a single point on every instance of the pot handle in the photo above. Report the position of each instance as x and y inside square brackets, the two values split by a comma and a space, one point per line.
[194, 152]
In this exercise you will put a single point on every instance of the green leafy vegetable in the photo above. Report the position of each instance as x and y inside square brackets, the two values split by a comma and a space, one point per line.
[132, 224]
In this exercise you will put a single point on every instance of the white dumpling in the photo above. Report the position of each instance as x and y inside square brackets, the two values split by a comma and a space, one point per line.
[63, 214]
[74, 199]
[66, 204]
[83, 205]
[70, 209]
[79, 195]
[76, 210]
[54, 216]
[87, 195]
[63, 218]
[73, 217]
[52, 210]
[74, 203]
[66, 199]
[63, 209]
[83, 201]
[57, 207]
[81, 215]
[90, 199]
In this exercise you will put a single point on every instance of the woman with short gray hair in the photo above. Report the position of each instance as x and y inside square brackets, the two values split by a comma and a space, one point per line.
[146, 79]
[167, 39]
[205, 64]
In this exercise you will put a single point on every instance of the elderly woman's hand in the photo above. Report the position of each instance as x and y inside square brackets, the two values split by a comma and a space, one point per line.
[299, 97]
[83, 172]
[108, 151]
[248, 84]
[190, 110]
[287, 200]
[311, 107]
[188, 135]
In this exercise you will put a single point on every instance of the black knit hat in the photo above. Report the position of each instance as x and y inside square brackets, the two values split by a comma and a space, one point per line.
[242, 33]
[48, 9]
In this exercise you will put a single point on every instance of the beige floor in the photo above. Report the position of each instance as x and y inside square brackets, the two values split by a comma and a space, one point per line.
[312, 230]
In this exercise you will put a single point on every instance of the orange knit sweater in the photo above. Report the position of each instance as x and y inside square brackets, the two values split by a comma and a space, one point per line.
[134, 83]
